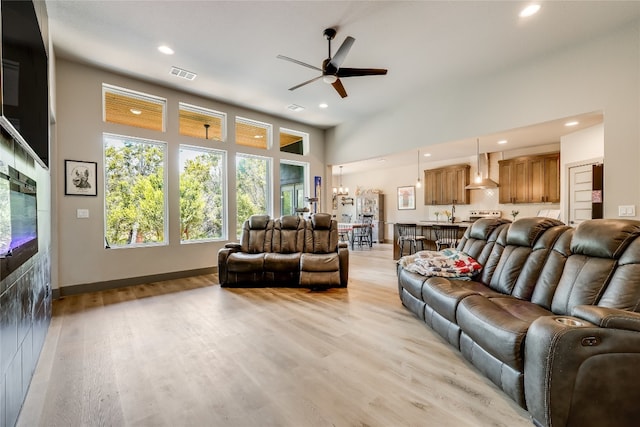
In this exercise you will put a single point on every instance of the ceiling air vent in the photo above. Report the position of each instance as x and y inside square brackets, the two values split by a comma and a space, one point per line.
[179, 72]
[294, 107]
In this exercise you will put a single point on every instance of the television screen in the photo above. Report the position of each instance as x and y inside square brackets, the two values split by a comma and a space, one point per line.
[18, 220]
[24, 84]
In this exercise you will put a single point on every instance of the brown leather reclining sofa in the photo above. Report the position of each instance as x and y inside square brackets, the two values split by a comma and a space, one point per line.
[552, 319]
[287, 251]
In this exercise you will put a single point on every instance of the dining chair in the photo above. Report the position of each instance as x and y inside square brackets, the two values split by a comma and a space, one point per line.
[409, 233]
[343, 232]
[363, 233]
[446, 236]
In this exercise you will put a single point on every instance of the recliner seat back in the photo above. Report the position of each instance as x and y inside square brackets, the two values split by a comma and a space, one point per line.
[257, 233]
[288, 234]
[321, 234]
[526, 246]
[596, 247]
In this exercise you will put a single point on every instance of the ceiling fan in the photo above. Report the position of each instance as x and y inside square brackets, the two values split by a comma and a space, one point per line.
[331, 70]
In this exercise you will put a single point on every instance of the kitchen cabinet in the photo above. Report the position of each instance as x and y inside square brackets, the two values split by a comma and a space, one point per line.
[446, 186]
[531, 179]
[372, 204]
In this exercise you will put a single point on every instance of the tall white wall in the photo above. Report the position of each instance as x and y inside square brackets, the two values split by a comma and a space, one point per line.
[601, 75]
[82, 257]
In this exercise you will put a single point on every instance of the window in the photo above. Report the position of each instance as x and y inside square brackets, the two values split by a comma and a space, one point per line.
[292, 186]
[202, 190]
[199, 122]
[292, 141]
[131, 108]
[253, 187]
[135, 191]
[251, 133]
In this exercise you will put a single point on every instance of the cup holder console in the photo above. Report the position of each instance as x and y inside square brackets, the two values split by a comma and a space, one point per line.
[568, 321]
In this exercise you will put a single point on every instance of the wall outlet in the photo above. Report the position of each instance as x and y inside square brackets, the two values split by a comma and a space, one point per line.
[82, 213]
[627, 210]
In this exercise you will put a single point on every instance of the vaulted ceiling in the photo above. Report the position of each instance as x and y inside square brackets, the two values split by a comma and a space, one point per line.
[232, 46]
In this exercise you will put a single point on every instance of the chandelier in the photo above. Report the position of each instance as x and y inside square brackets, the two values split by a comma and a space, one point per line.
[340, 191]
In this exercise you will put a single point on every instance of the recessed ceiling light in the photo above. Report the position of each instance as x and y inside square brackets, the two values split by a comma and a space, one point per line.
[530, 10]
[323, 105]
[166, 50]
[427, 154]
[572, 123]
[136, 112]
[502, 141]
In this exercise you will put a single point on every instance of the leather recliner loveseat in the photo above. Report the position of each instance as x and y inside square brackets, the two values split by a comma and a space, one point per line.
[552, 319]
[287, 251]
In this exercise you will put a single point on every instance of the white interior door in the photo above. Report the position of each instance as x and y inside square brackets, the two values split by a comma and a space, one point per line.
[580, 186]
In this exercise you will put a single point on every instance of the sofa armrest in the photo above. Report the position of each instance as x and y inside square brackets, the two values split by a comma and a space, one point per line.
[343, 258]
[342, 245]
[223, 255]
[608, 317]
[577, 373]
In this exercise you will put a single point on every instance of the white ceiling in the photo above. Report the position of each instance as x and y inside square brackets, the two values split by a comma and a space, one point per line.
[232, 45]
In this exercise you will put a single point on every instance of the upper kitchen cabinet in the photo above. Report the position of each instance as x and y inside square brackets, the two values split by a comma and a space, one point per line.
[446, 186]
[532, 179]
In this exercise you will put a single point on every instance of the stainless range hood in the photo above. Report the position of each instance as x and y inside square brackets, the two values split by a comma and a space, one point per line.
[484, 182]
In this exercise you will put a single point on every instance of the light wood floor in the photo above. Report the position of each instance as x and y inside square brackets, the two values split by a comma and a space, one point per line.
[190, 353]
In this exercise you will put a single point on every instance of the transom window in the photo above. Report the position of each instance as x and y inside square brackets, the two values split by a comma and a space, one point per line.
[292, 141]
[131, 108]
[252, 133]
[199, 122]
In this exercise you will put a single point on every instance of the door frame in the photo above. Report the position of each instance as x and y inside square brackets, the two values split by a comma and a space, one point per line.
[567, 186]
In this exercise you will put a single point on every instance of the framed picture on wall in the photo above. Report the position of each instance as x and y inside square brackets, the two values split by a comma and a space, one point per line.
[406, 197]
[80, 178]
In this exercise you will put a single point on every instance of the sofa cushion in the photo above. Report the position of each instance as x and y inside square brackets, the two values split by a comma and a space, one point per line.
[321, 221]
[321, 234]
[241, 262]
[257, 233]
[604, 238]
[499, 325]
[319, 262]
[281, 262]
[288, 234]
[444, 295]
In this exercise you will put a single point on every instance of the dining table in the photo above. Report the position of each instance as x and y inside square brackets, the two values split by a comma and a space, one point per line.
[347, 228]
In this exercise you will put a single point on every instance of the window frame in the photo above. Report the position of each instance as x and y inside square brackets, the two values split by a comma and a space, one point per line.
[146, 97]
[224, 185]
[268, 196]
[305, 140]
[256, 123]
[183, 106]
[165, 192]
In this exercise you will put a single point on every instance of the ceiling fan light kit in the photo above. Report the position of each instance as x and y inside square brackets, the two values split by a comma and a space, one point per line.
[331, 67]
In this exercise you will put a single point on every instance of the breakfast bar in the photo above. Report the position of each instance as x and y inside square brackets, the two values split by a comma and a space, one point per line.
[428, 230]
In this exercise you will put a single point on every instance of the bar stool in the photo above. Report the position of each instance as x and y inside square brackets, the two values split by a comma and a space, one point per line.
[408, 233]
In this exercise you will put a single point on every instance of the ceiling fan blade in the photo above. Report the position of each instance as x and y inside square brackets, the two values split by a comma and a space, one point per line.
[337, 85]
[295, 61]
[342, 52]
[305, 83]
[355, 72]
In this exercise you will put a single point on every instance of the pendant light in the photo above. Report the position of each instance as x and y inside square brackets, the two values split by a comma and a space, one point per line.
[341, 191]
[418, 182]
